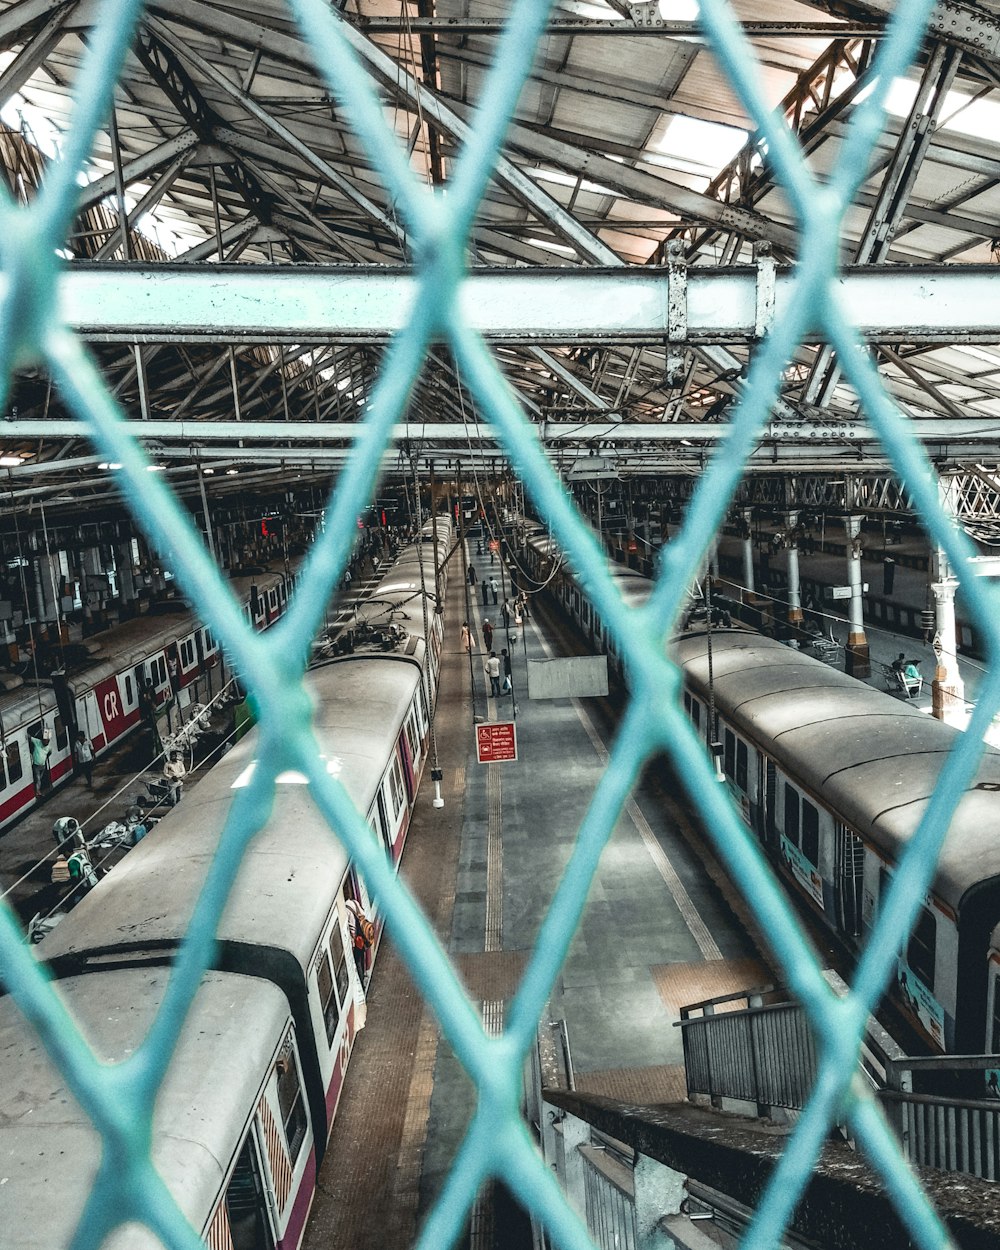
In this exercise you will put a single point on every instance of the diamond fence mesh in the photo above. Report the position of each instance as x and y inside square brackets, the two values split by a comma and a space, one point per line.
[120, 1099]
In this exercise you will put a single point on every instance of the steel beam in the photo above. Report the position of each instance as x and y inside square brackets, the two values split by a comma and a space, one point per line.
[597, 26]
[580, 433]
[328, 304]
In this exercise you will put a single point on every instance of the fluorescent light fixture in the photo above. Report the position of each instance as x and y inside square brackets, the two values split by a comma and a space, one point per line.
[156, 468]
[109, 464]
[10, 462]
[231, 472]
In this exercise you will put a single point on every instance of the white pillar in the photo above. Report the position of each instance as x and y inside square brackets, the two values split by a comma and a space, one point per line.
[857, 661]
[748, 581]
[948, 690]
[794, 592]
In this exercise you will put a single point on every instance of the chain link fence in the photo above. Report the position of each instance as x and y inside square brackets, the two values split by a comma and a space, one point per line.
[120, 1099]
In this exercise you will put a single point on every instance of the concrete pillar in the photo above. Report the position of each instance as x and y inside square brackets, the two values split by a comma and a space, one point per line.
[857, 659]
[747, 535]
[948, 690]
[659, 1192]
[576, 1133]
[124, 575]
[794, 592]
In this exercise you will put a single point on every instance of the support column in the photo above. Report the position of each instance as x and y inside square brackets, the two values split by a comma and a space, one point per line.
[948, 689]
[746, 533]
[794, 591]
[856, 660]
[659, 1193]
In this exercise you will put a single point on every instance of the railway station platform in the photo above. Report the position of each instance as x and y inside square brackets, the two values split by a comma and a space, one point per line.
[826, 566]
[657, 934]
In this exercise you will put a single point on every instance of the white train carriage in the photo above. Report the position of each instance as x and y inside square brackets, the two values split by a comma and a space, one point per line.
[834, 777]
[286, 923]
[232, 1136]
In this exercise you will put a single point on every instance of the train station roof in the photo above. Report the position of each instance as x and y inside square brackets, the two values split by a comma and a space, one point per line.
[237, 261]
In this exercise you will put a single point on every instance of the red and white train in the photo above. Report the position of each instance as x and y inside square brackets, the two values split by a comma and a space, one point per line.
[248, 1103]
[172, 653]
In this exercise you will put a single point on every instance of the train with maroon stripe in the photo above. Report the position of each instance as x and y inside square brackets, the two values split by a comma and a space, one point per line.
[170, 651]
[252, 1092]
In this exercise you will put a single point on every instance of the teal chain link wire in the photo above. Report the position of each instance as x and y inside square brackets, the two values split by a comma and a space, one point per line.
[120, 1099]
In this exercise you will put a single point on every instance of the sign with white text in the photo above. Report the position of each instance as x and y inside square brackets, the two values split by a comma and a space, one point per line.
[496, 742]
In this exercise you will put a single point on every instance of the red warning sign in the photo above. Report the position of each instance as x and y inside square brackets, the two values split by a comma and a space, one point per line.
[496, 743]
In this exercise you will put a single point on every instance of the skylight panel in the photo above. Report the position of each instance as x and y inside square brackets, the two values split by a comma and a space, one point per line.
[697, 145]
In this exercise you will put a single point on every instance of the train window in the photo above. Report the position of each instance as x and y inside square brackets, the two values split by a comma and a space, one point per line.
[62, 737]
[209, 641]
[741, 765]
[412, 737]
[791, 814]
[810, 832]
[921, 947]
[396, 788]
[293, 1110]
[327, 998]
[338, 957]
[14, 766]
[687, 703]
[696, 713]
[729, 755]
[129, 697]
[995, 1026]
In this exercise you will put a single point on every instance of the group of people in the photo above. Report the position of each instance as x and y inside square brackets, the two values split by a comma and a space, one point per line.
[496, 666]
[907, 671]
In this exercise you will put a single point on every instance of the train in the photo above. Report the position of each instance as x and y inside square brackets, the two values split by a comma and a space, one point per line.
[164, 654]
[244, 1116]
[832, 776]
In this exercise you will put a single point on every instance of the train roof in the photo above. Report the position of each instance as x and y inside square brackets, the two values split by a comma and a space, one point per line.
[874, 759]
[294, 864]
[49, 1151]
[634, 587]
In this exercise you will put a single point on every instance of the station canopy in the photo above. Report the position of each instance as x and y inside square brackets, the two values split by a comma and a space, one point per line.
[228, 166]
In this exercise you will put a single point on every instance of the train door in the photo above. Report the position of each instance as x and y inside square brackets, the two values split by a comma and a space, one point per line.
[848, 879]
[407, 760]
[247, 1205]
[767, 785]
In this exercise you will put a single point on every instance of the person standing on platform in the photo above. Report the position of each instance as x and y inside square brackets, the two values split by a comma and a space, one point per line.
[505, 613]
[83, 753]
[493, 673]
[174, 773]
[487, 635]
[468, 642]
[472, 575]
[485, 590]
[494, 589]
[508, 685]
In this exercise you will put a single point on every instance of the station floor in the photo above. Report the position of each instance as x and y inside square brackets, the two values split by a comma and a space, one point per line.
[657, 933]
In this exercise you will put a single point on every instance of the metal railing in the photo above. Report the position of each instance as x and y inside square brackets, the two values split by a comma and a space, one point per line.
[954, 1132]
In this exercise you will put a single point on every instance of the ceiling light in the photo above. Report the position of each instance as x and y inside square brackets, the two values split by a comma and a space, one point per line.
[10, 462]
[108, 464]
[231, 472]
[155, 468]
[207, 472]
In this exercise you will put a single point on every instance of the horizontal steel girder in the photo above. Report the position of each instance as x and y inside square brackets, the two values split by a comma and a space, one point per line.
[456, 437]
[307, 304]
